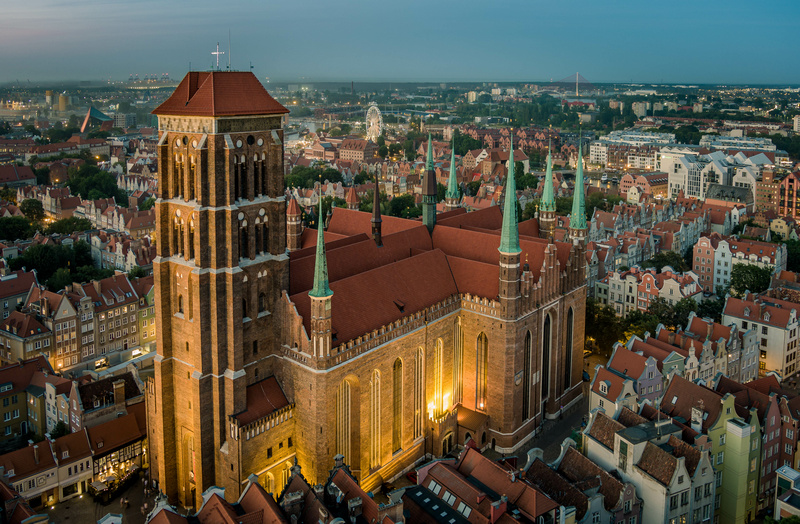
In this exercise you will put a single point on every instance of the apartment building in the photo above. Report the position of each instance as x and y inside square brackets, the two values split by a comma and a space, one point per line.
[734, 434]
[715, 255]
[635, 289]
[675, 480]
[14, 286]
[775, 322]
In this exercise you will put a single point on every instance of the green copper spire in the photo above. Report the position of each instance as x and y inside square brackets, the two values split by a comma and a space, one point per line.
[509, 236]
[429, 163]
[548, 199]
[578, 218]
[321, 288]
[452, 182]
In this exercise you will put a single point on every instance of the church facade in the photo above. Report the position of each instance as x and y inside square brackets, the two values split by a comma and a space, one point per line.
[380, 339]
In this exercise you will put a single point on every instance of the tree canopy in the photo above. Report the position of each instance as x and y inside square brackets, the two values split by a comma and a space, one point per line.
[69, 225]
[91, 183]
[32, 209]
[746, 277]
[14, 228]
[667, 258]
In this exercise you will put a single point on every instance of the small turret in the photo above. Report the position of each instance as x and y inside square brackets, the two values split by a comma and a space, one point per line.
[452, 196]
[429, 190]
[376, 214]
[577, 221]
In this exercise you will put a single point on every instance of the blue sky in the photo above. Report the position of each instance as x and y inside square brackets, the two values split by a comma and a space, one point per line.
[699, 41]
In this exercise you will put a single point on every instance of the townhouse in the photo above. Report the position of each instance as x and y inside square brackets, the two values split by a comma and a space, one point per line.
[775, 323]
[675, 480]
[715, 255]
[635, 289]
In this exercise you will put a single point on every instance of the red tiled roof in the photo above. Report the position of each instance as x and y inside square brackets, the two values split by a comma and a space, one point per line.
[263, 397]
[628, 363]
[604, 428]
[351, 222]
[10, 173]
[577, 467]
[24, 462]
[16, 283]
[657, 463]
[23, 325]
[614, 382]
[407, 286]
[220, 93]
[557, 487]
[115, 434]
[355, 258]
[75, 445]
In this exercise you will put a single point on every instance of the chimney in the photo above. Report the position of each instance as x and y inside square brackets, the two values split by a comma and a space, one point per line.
[354, 508]
[119, 394]
[338, 460]
[498, 508]
[36, 453]
[293, 505]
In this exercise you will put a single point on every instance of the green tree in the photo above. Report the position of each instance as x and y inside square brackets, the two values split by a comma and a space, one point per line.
[32, 209]
[361, 178]
[82, 253]
[147, 204]
[42, 175]
[8, 194]
[137, 272]
[441, 192]
[59, 430]
[746, 277]
[603, 328]
[89, 182]
[711, 308]
[667, 258]
[383, 151]
[66, 226]
[473, 187]
[395, 149]
[400, 204]
[15, 228]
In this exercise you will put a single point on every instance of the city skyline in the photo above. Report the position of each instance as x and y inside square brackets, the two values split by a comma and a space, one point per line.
[443, 42]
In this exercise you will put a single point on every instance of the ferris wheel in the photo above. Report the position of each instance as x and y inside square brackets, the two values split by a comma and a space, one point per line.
[374, 122]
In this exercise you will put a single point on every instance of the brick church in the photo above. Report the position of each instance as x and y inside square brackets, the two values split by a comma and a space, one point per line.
[380, 339]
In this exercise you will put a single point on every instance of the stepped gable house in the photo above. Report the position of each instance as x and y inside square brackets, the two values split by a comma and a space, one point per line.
[385, 341]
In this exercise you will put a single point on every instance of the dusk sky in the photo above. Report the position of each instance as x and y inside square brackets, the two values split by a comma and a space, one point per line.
[699, 41]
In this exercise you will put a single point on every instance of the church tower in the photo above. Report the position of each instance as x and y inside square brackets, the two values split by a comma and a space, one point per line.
[376, 214]
[547, 210]
[429, 190]
[510, 250]
[221, 262]
[577, 221]
[452, 196]
[321, 299]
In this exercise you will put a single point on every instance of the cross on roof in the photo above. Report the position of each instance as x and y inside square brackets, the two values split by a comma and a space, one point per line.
[218, 52]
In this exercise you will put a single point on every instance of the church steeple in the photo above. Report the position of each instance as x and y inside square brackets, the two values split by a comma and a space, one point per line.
[451, 196]
[429, 190]
[509, 237]
[321, 288]
[547, 208]
[376, 214]
[577, 221]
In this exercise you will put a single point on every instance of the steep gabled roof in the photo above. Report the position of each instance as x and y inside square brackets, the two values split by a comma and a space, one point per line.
[220, 93]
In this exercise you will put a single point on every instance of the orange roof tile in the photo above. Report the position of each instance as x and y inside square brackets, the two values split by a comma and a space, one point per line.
[220, 93]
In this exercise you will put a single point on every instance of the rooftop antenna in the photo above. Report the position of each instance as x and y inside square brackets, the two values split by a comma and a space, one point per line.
[229, 49]
[217, 53]
[251, 65]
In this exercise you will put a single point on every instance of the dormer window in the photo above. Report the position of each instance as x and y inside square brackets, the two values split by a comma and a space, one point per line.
[65, 454]
[766, 317]
[604, 388]
[747, 311]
